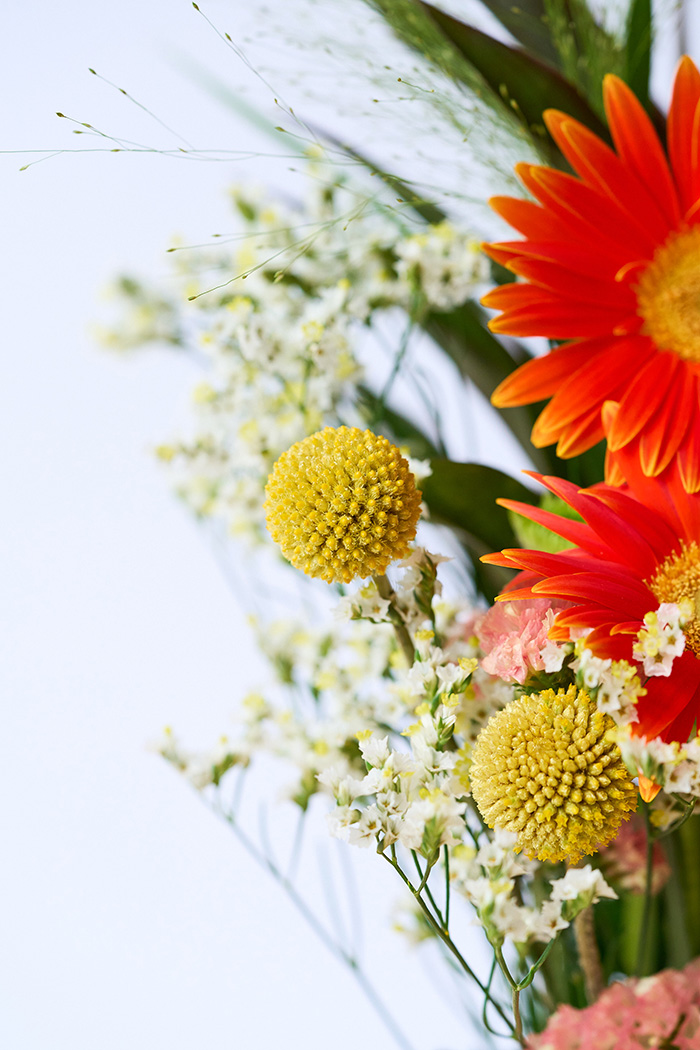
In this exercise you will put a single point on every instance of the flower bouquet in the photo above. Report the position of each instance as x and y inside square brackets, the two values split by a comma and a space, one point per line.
[490, 679]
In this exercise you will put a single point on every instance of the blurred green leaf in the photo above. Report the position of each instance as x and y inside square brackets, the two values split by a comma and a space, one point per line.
[527, 22]
[638, 48]
[480, 357]
[463, 496]
[401, 430]
[587, 50]
[524, 84]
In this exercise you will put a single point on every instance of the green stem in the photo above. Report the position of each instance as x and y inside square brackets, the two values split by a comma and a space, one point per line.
[387, 592]
[447, 886]
[319, 929]
[445, 937]
[646, 914]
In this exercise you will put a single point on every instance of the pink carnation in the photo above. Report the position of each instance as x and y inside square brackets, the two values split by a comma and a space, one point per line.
[631, 1015]
[514, 637]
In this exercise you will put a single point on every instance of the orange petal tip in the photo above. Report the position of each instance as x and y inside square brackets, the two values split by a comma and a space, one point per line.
[648, 789]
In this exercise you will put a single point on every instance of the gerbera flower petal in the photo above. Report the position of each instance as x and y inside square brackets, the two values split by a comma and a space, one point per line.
[645, 393]
[528, 218]
[573, 531]
[689, 460]
[681, 118]
[607, 591]
[581, 435]
[612, 254]
[601, 168]
[593, 217]
[638, 145]
[511, 297]
[580, 393]
[542, 377]
[630, 548]
[670, 699]
[556, 318]
[566, 253]
[557, 278]
[667, 428]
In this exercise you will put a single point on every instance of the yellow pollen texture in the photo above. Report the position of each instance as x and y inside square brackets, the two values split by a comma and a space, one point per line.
[546, 768]
[342, 504]
[679, 577]
[668, 295]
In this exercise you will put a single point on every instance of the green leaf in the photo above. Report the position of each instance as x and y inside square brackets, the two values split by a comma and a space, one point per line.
[463, 496]
[638, 48]
[523, 83]
[399, 429]
[527, 22]
[480, 357]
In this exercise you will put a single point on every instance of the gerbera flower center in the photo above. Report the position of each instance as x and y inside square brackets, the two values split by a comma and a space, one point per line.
[679, 577]
[668, 295]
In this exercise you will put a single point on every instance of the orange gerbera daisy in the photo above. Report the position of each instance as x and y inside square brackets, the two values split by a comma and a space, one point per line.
[636, 548]
[611, 263]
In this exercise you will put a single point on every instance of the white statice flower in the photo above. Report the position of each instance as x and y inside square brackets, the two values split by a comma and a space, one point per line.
[277, 318]
[684, 777]
[431, 822]
[615, 684]
[364, 604]
[444, 264]
[653, 758]
[365, 831]
[662, 640]
[584, 885]
[375, 749]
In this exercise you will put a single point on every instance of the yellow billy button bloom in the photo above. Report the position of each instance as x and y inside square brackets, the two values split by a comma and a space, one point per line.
[342, 504]
[547, 769]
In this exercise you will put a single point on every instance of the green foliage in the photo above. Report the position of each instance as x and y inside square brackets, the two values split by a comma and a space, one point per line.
[638, 39]
[527, 22]
[463, 496]
[587, 51]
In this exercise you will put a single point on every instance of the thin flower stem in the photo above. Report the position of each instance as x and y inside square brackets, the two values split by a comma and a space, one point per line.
[387, 592]
[318, 928]
[447, 887]
[445, 937]
[424, 886]
[589, 956]
[646, 914]
[689, 810]
[518, 1030]
[487, 1000]
[529, 978]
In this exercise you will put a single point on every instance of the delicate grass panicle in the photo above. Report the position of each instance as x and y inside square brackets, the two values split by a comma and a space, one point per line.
[547, 769]
[342, 504]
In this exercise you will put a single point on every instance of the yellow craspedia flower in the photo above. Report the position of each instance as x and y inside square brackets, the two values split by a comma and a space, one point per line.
[342, 504]
[547, 768]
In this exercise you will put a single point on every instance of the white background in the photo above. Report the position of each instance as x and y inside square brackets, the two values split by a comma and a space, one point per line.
[129, 917]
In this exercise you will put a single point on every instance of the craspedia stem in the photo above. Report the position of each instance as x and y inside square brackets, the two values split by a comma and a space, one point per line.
[588, 954]
[387, 592]
[342, 504]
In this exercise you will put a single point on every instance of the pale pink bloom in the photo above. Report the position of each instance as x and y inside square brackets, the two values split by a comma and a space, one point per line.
[624, 860]
[514, 637]
[631, 1015]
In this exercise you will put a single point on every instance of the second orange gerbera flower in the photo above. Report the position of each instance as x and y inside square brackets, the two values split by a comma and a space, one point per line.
[611, 263]
[635, 549]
